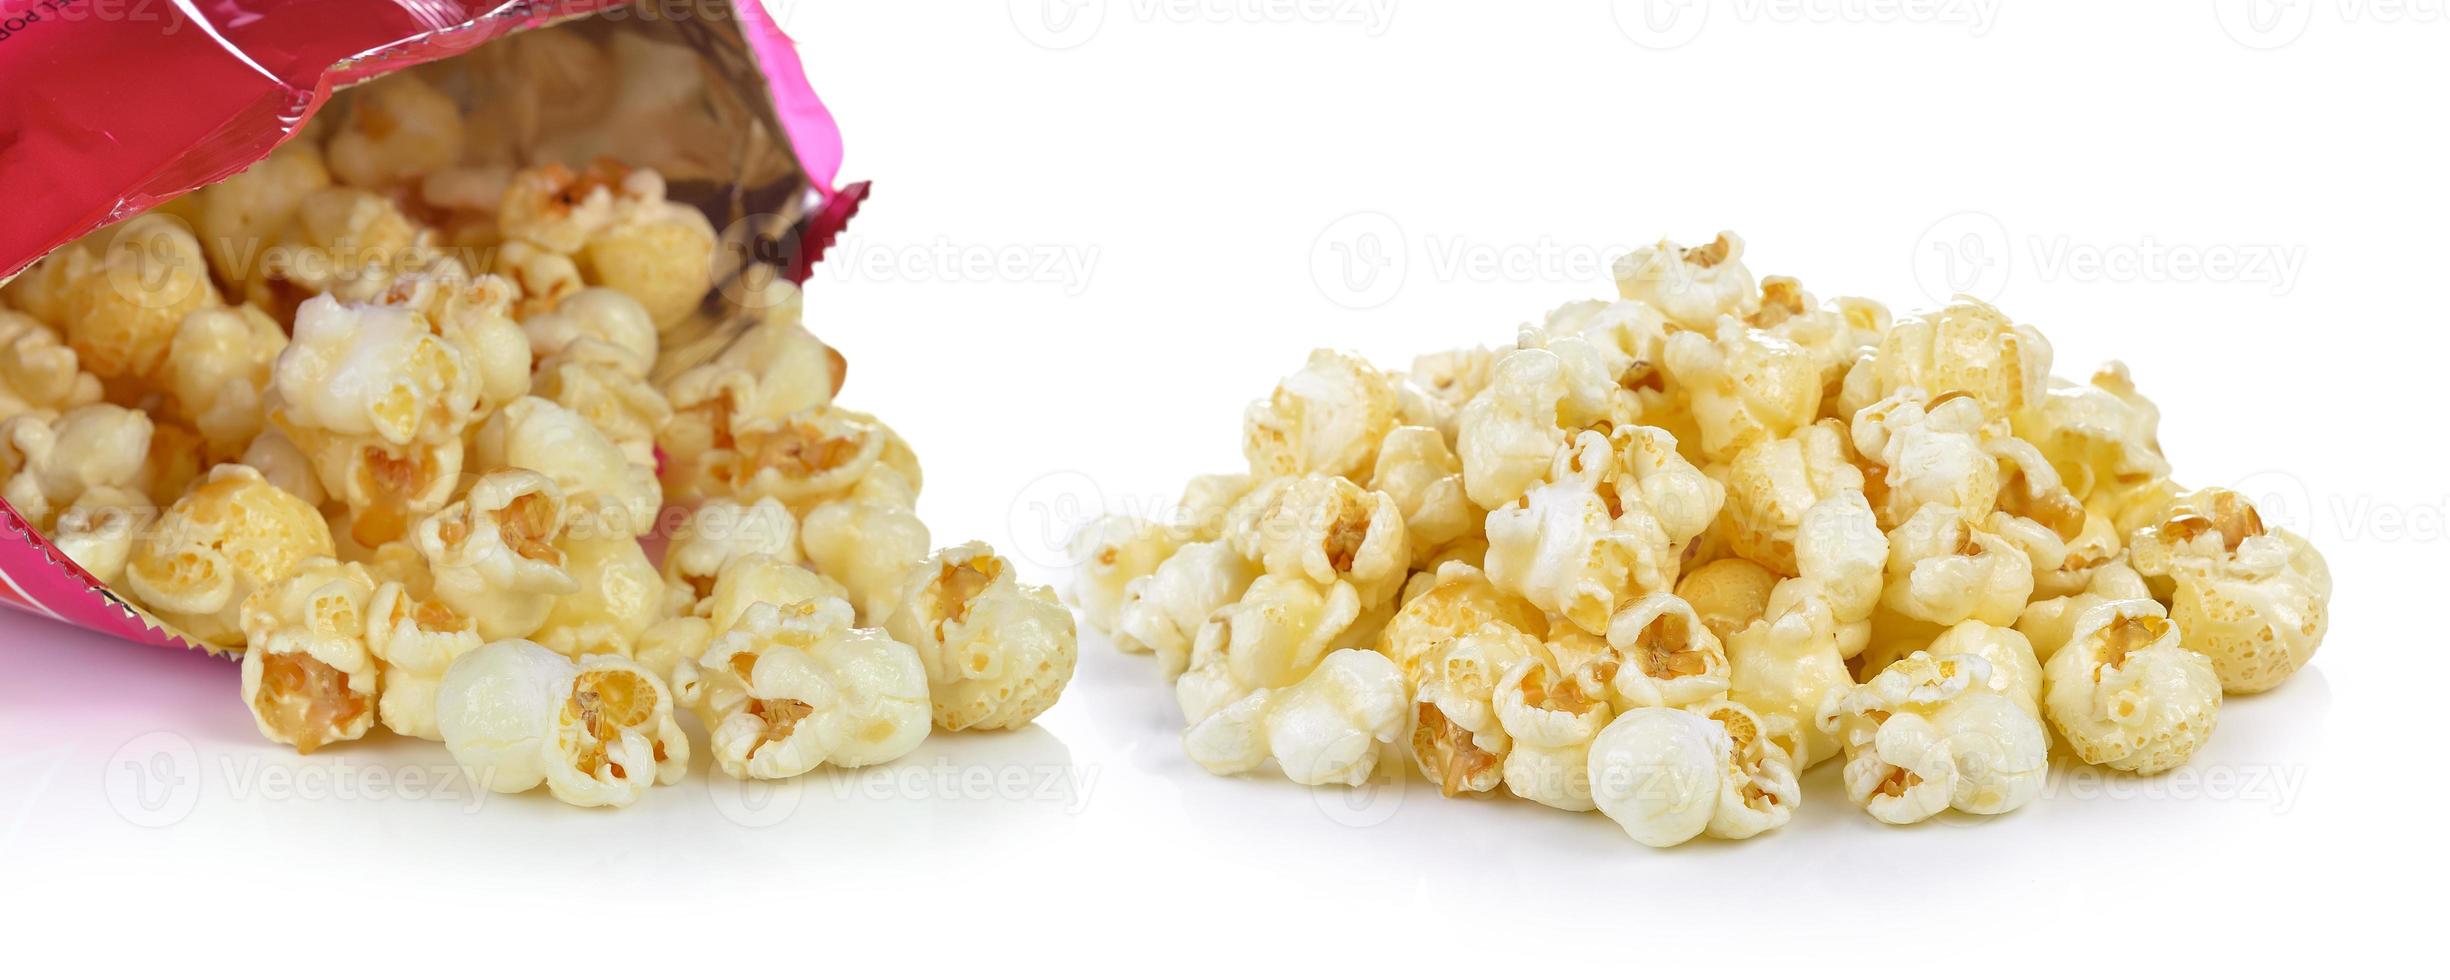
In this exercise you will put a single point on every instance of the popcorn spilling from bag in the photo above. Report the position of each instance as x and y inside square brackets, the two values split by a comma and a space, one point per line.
[1663, 554]
[412, 486]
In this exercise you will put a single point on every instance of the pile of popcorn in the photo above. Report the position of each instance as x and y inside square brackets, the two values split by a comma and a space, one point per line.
[1663, 554]
[392, 420]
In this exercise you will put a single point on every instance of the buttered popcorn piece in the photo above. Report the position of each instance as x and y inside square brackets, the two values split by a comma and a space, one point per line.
[803, 460]
[1945, 568]
[1459, 739]
[39, 373]
[1550, 711]
[1693, 287]
[2102, 438]
[1668, 657]
[1327, 529]
[772, 372]
[49, 464]
[1508, 434]
[747, 580]
[619, 595]
[1424, 478]
[587, 378]
[231, 535]
[1611, 520]
[496, 710]
[1746, 385]
[1108, 554]
[1324, 729]
[1788, 668]
[1967, 346]
[1326, 419]
[397, 129]
[1772, 483]
[2253, 599]
[379, 404]
[787, 689]
[870, 546]
[307, 675]
[475, 315]
[998, 653]
[1271, 637]
[416, 637]
[1928, 734]
[1165, 609]
[612, 735]
[256, 204]
[1728, 594]
[2127, 694]
[605, 320]
[1668, 775]
[219, 367]
[1613, 355]
[717, 531]
[147, 276]
[495, 552]
[534, 434]
[1928, 450]
[659, 252]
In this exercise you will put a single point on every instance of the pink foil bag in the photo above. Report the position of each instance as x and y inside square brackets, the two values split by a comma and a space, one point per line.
[111, 107]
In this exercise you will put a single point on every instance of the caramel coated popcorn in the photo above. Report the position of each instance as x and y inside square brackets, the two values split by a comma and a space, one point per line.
[1665, 552]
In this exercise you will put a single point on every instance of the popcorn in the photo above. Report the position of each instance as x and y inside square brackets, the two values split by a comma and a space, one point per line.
[717, 531]
[1928, 733]
[2126, 694]
[2253, 599]
[1611, 518]
[2050, 623]
[1842, 556]
[1551, 713]
[147, 276]
[1668, 775]
[416, 637]
[1969, 347]
[251, 208]
[1772, 483]
[1206, 501]
[1323, 729]
[2102, 438]
[345, 242]
[1789, 669]
[378, 404]
[590, 379]
[1453, 377]
[50, 463]
[2014, 672]
[99, 529]
[307, 675]
[397, 129]
[806, 459]
[475, 316]
[1612, 354]
[1165, 609]
[619, 595]
[1692, 287]
[1424, 478]
[747, 580]
[658, 252]
[1746, 385]
[232, 534]
[1326, 419]
[1758, 793]
[789, 688]
[997, 652]
[870, 547]
[1269, 638]
[496, 552]
[618, 332]
[1458, 736]
[665, 645]
[1669, 658]
[496, 710]
[558, 209]
[1507, 435]
[219, 367]
[1945, 568]
[1928, 451]
[771, 373]
[555, 442]
[1109, 553]
[612, 735]
[39, 374]
[1328, 530]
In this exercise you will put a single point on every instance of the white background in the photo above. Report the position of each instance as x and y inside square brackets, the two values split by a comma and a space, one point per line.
[1100, 228]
